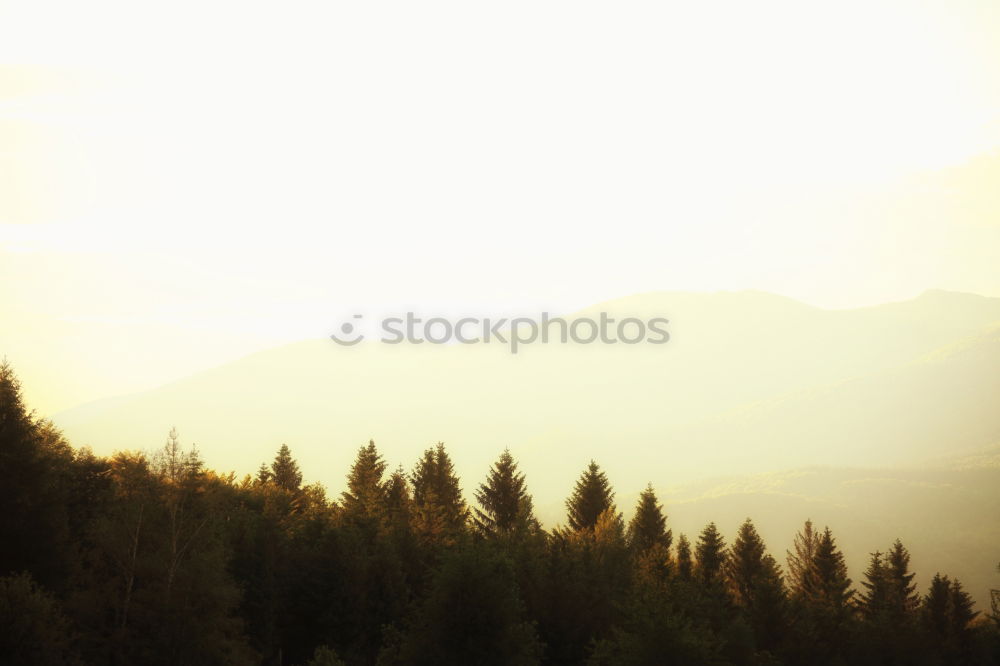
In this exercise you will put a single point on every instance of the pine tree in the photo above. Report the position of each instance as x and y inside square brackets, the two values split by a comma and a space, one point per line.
[506, 506]
[874, 602]
[749, 565]
[936, 608]
[801, 578]
[961, 612]
[398, 502]
[591, 497]
[833, 587]
[684, 564]
[757, 587]
[821, 600]
[285, 471]
[440, 512]
[710, 554]
[903, 598]
[647, 528]
[888, 608]
[711, 597]
[398, 524]
[946, 612]
[264, 474]
[365, 498]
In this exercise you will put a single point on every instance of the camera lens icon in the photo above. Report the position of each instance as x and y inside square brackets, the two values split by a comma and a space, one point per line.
[347, 329]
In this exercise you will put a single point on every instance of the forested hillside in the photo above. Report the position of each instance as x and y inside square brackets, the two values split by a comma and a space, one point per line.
[152, 558]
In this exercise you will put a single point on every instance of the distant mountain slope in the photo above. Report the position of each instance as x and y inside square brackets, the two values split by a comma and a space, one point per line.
[750, 383]
[946, 515]
[944, 401]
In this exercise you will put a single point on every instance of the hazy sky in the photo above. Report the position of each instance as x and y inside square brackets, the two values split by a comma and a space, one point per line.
[187, 181]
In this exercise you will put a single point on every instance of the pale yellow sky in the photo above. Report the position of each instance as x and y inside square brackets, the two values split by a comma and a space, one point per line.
[181, 183]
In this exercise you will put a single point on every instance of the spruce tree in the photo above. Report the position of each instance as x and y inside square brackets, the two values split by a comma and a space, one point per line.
[439, 510]
[591, 497]
[397, 498]
[888, 609]
[757, 587]
[903, 598]
[833, 587]
[285, 471]
[801, 576]
[506, 506]
[684, 563]
[399, 541]
[365, 497]
[936, 608]
[888, 606]
[648, 528]
[710, 554]
[874, 602]
[960, 607]
[946, 612]
[821, 600]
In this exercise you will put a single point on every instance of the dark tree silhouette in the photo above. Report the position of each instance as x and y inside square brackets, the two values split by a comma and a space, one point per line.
[874, 601]
[902, 592]
[285, 471]
[398, 501]
[364, 501]
[710, 554]
[833, 587]
[757, 587]
[648, 528]
[801, 574]
[439, 512]
[591, 497]
[505, 505]
[685, 565]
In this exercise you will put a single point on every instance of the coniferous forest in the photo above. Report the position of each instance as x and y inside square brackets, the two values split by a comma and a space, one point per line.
[150, 558]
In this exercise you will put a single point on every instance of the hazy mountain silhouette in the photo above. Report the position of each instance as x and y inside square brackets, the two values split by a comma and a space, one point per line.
[747, 379]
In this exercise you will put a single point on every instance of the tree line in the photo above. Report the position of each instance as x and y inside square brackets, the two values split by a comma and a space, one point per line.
[155, 559]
